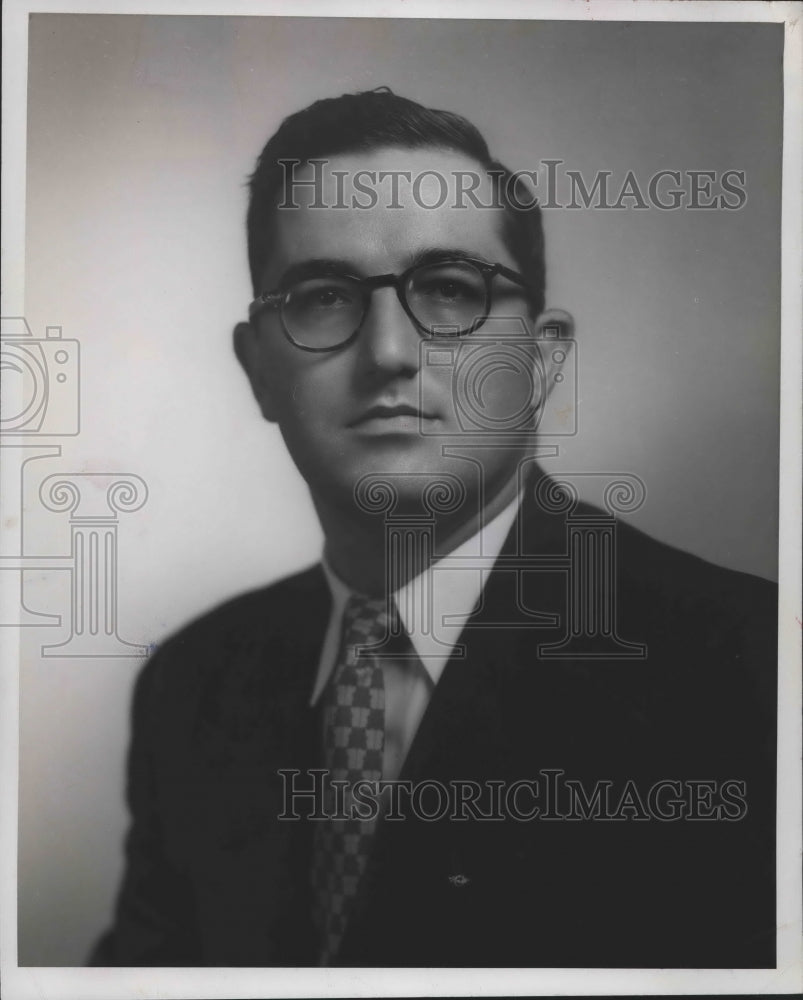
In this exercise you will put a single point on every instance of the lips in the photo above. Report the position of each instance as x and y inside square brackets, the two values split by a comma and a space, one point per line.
[389, 412]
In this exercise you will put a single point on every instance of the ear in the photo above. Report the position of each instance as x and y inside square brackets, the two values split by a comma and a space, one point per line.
[554, 331]
[248, 348]
[554, 324]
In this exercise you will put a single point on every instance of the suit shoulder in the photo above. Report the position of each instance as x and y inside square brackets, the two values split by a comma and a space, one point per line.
[259, 606]
[722, 623]
[676, 601]
[649, 562]
[244, 626]
[643, 563]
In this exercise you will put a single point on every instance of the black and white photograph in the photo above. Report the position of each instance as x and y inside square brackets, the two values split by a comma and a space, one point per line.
[400, 558]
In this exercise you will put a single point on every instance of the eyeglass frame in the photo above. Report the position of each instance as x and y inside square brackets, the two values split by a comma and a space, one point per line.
[367, 286]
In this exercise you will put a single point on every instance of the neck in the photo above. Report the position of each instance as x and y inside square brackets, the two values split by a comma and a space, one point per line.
[356, 542]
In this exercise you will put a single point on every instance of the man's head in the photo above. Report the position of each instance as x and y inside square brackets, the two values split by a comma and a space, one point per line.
[372, 120]
[363, 399]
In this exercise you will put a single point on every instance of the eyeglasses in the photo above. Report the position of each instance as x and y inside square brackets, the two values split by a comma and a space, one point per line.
[326, 310]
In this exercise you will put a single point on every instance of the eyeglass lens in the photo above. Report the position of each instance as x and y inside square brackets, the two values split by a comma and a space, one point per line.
[325, 311]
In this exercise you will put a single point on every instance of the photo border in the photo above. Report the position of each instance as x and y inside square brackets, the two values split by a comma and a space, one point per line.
[25, 982]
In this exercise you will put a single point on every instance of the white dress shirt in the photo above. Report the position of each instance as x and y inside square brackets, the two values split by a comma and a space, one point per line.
[451, 591]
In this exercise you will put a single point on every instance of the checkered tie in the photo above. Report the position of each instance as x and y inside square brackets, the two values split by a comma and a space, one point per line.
[354, 735]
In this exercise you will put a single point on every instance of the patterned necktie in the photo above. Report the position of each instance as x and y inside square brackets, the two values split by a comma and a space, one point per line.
[354, 735]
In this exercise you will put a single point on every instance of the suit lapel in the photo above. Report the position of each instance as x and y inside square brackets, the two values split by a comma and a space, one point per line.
[499, 640]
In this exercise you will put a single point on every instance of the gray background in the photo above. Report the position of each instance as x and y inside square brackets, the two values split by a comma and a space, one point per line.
[141, 133]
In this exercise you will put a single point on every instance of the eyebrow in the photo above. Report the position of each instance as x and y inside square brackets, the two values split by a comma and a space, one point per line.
[313, 268]
[434, 255]
[317, 266]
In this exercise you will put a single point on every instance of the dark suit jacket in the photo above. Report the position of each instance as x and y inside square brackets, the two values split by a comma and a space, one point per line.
[213, 878]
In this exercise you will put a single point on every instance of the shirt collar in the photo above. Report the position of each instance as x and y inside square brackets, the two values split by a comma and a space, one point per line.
[449, 591]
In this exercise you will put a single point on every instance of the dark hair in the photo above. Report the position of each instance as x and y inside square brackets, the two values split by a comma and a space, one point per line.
[370, 120]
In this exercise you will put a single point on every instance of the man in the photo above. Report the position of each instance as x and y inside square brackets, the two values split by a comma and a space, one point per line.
[574, 724]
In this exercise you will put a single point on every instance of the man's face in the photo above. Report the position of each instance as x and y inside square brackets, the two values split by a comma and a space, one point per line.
[375, 405]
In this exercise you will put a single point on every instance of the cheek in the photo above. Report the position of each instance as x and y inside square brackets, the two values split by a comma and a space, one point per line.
[508, 388]
[306, 391]
[497, 387]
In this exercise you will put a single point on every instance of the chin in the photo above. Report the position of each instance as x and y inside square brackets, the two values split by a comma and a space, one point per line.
[389, 483]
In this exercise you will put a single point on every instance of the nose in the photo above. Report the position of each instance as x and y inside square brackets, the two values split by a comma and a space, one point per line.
[388, 340]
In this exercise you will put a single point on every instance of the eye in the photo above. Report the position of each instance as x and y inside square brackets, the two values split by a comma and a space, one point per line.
[322, 295]
[449, 289]
[327, 296]
[449, 286]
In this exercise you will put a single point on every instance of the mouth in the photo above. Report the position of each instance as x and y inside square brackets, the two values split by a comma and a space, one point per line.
[389, 416]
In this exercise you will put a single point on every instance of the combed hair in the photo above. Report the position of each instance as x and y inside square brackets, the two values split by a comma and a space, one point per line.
[371, 120]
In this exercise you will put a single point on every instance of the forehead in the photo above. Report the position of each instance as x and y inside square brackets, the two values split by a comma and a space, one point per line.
[377, 209]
